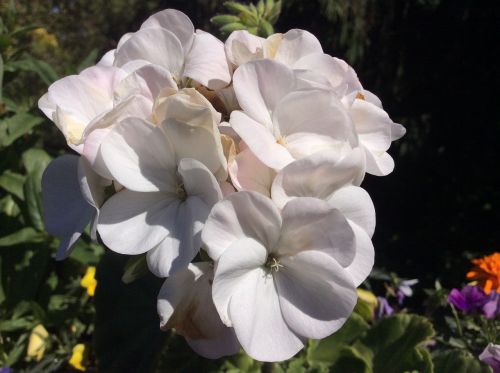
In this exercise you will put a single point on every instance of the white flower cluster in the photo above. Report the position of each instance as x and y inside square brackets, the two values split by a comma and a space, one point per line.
[253, 150]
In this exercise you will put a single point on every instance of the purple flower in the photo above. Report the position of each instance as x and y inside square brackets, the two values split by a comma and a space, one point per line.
[6, 370]
[384, 308]
[491, 308]
[491, 356]
[469, 299]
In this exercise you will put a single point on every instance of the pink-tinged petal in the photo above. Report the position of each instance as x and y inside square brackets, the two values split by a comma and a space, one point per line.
[206, 62]
[242, 47]
[329, 67]
[316, 295]
[296, 44]
[260, 85]
[257, 319]
[313, 224]
[174, 21]
[397, 131]
[155, 45]
[363, 261]
[133, 223]
[139, 157]
[319, 175]
[241, 215]
[244, 256]
[185, 303]
[249, 173]
[66, 210]
[180, 247]
[260, 140]
[356, 205]
[373, 125]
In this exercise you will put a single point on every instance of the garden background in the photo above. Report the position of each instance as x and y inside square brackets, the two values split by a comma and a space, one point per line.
[434, 64]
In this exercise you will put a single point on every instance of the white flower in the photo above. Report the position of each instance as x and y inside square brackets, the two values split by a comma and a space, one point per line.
[325, 176]
[170, 187]
[185, 303]
[72, 195]
[168, 39]
[280, 123]
[280, 278]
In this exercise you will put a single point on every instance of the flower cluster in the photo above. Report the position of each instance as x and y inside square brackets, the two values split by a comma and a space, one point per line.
[254, 150]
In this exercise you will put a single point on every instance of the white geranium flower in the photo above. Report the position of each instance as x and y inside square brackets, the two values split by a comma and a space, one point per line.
[168, 194]
[280, 278]
[280, 123]
[72, 195]
[168, 39]
[185, 303]
[324, 176]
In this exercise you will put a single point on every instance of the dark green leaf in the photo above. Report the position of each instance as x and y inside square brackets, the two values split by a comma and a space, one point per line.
[88, 61]
[35, 159]
[458, 361]
[13, 183]
[43, 69]
[18, 125]
[136, 267]
[23, 236]
[32, 194]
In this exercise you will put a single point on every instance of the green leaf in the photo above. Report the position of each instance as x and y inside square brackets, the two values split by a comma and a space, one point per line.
[18, 125]
[88, 61]
[1, 77]
[135, 268]
[239, 9]
[230, 27]
[43, 69]
[35, 159]
[458, 361]
[13, 183]
[395, 342]
[224, 19]
[127, 335]
[23, 236]
[266, 29]
[326, 351]
[351, 360]
[33, 197]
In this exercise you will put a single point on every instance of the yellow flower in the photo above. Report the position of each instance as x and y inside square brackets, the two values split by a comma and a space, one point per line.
[486, 272]
[88, 281]
[36, 343]
[45, 38]
[76, 359]
[367, 297]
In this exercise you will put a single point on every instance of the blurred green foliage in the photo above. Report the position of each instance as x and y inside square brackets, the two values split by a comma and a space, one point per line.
[431, 62]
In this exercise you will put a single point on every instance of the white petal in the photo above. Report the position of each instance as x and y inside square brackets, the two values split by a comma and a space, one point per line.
[397, 131]
[174, 21]
[249, 173]
[296, 44]
[206, 63]
[185, 302]
[132, 222]
[378, 163]
[373, 125]
[177, 250]
[242, 257]
[199, 181]
[356, 205]
[139, 156]
[260, 85]
[258, 321]
[91, 184]
[313, 224]
[362, 264]
[318, 175]
[260, 140]
[241, 215]
[314, 112]
[316, 294]
[242, 47]
[66, 211]
[155, 45]
[108, 59]
[325, 65]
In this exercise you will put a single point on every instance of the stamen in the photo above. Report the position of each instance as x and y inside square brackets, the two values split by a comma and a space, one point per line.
[281, 141]
[360, 96]
[273, 263]
[181, 192]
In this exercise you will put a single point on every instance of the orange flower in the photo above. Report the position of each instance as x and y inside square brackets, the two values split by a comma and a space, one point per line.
[486, 272]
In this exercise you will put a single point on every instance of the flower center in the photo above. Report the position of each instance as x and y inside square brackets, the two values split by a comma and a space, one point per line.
[273, 263]
[281, 141]
[181, 192]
